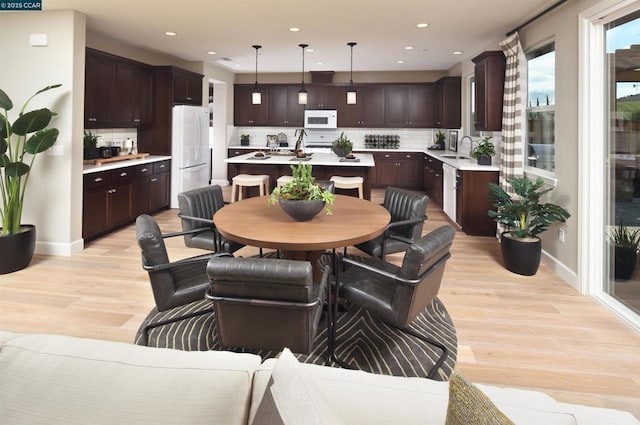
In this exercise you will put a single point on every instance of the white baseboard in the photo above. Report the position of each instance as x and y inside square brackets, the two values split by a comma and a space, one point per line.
[561, 270]
[59, 249]
[220, 182]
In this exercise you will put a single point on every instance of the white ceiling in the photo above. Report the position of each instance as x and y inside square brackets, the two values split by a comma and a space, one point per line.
[382, 29]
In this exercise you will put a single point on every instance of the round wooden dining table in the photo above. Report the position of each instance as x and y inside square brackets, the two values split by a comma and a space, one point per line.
[253, 222]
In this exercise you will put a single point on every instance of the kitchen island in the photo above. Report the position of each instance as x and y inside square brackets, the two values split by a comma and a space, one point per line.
[324, 166]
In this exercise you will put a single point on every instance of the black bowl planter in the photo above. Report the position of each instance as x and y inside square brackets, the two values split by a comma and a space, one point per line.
[484, 160]
[301, 210]
[625, 259]
[340, 151]
[519, 256]
[16, 250]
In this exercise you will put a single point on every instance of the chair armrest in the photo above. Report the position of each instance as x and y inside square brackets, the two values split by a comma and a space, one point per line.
[368, 267]
[395, 277]
[198, 219]
[405, 222]
[399, 238]
[186, 232]
[186, 261]
[261, 302]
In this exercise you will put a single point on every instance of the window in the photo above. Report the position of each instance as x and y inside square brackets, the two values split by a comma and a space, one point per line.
[541, 100]
[472, 107]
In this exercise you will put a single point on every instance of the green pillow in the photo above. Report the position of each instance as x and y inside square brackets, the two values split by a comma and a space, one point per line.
[470, 406]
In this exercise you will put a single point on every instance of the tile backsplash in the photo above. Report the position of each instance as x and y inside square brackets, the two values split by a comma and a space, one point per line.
[115, 136]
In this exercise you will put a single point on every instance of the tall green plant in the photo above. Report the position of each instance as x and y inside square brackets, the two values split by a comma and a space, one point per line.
[526, 215]
[27, 135]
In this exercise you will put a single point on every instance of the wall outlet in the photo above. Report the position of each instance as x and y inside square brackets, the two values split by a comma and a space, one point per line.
[561, 235]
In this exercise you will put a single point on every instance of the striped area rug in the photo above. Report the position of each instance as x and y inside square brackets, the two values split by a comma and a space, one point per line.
[363, 342]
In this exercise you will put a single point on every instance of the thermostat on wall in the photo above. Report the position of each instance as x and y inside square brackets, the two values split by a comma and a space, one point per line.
[38, 40]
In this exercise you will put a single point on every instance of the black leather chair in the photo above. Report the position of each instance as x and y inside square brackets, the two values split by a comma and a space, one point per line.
[173, 283]
[266, 303]
[197, 208]
[398, 294]
[408, 213]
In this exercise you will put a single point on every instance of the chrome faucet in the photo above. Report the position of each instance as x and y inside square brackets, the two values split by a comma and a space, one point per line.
[471, 142]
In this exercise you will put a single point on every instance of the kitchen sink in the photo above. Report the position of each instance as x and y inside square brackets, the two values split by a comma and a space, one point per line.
[453, 156]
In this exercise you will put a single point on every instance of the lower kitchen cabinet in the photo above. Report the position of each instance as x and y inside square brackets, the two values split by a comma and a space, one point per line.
[473, 202]
[400, 169]
[433, 178]
[151, 187]
[114, 198]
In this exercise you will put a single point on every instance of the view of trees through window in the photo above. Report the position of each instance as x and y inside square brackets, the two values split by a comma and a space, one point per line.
[541, 100]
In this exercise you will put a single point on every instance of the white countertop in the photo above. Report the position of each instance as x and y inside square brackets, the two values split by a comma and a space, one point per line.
[317, 158]
[468, 164]
[91, 168]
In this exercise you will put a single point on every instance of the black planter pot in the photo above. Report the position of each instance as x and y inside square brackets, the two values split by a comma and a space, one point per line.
[301, 210]
[520, 257]
[484, 160]
[624, 262]
[16, 250]
[340, 151]
[91, 153]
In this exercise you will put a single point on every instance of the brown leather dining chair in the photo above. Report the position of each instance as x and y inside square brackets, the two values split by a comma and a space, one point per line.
[408, 213]
[398, 294]
[173, 283]
[266, 303]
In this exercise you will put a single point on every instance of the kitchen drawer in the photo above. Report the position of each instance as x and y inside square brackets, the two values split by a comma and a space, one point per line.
[161, 166]
[96, 180]
[143, 170]
[122, 176]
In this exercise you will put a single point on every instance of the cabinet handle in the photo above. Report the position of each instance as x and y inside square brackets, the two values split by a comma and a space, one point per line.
[188, 98]
[407, 156]
[387, 156]
[144, 170]
[136, 120]
[155, 179]
[92, 119]
[123, 174]
[162, 166]
[98, 179]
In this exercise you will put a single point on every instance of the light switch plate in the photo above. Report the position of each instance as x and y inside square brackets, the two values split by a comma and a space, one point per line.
[38, 40]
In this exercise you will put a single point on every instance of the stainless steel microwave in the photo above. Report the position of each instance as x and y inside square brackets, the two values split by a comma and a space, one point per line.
[320, 118]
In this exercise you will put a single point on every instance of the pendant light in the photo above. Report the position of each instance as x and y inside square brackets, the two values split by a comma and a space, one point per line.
[351, 93]
[256, 96]
[302, 94]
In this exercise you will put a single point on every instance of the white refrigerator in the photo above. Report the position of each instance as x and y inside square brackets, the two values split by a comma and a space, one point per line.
[190, 152]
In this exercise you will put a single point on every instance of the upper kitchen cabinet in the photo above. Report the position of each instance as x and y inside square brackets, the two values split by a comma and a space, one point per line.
[368, 110]
[489, 82]
[187, 87]
[321, 96]
[448, 103]
[244, 112]
[118, 92]
[284, 110]
[99, 90]
[409, 106]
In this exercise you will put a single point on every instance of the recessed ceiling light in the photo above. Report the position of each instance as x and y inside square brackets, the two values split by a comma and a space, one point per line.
[170, 33]
[457, 52]
[320, 63]
[310, 50]
[409, 48]
[238, 65]
[211, 52]
[422, 25]
[294, 29]
[400, 61]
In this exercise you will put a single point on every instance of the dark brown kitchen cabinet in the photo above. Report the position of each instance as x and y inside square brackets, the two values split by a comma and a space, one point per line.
[489, 90]
[401, 169]
[321, 96]
[409, 106]
[151, 187]
[284, 110]
[134, 94]
[99, 90]
[187, 87]
[368, 110]
[473, 202]
[244, 112]
[107, 201]
[448, 102]
[433, 178]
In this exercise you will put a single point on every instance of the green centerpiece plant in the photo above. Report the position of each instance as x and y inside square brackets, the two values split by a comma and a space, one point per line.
[304, 191]
[484, 151]
[342, 146]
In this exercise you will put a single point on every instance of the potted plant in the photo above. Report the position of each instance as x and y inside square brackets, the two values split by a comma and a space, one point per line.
[484, 151]
[90, 142]
[526, 217]
[244, 140]
[20, 141]
[341, 146]
[302, 198]
[440, 139]
[626, 244]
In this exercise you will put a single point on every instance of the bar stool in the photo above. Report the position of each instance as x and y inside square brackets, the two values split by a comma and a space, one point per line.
[342, 182]
[283, 180]
[249, 180]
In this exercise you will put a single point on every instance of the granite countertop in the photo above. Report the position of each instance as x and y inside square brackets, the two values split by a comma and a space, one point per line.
[459, 160]
[317, 158]
[91, 168]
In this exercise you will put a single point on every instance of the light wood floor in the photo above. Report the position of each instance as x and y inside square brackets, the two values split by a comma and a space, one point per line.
[528, 332]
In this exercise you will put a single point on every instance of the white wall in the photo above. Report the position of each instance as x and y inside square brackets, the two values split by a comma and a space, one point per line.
[54, 195]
